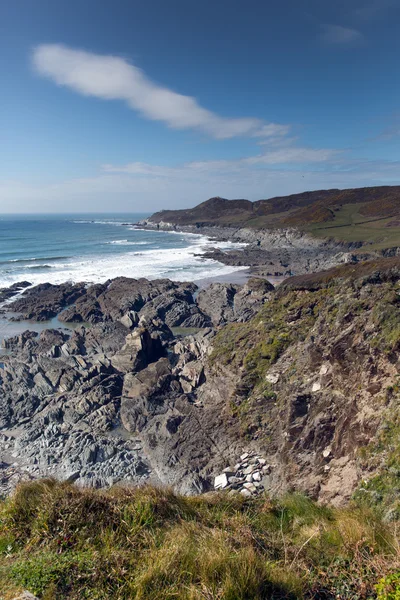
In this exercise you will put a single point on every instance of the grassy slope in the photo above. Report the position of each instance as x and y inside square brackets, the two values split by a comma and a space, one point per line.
[64, 543]
[349, 225]
[354, 215]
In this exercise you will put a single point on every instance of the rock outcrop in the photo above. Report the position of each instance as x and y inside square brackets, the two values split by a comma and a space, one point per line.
[303, 378]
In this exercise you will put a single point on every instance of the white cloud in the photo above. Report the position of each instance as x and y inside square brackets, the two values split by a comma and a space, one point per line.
[340, 36]
[284, 156]
[113, 78]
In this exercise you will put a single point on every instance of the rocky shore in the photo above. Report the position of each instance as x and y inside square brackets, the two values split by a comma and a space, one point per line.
[112, 400]
[270, 253]
[166, 383]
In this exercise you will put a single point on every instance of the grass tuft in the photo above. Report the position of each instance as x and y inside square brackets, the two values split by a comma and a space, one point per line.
[62, 542]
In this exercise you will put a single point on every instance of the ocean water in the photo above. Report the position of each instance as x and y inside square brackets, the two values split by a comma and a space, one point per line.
[94, 248]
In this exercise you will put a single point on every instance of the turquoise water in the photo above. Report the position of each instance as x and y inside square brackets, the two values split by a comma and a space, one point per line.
[94, 248]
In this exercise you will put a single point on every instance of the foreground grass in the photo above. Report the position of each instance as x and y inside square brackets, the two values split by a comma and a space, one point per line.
[61, 542]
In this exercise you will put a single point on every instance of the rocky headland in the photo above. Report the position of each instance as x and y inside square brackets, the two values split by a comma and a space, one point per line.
[296, 234]
[243, 387]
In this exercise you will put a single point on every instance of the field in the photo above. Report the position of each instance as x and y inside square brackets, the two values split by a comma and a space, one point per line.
[349, 225]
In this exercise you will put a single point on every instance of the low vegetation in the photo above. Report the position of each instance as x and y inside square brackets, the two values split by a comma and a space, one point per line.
[370, 216]
[58, 541]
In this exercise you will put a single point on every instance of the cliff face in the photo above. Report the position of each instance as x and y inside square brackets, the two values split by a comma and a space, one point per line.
[304, 376]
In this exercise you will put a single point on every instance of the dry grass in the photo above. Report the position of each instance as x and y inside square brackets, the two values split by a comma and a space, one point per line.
[59, 541]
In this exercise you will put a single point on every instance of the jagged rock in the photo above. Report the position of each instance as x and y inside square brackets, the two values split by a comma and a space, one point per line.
[116, 407]
[141, 394]
[13, 290]
[45, 301]
[139, 350]
[176, 309]
[19, 341]
[227, 303]
[130, 319]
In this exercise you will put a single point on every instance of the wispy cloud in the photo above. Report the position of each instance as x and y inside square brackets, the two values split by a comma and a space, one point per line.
[340, 36]
[113, 78]
[282, 157]
[189, 185]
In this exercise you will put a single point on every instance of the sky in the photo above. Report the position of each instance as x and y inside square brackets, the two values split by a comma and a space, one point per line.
[133, 106]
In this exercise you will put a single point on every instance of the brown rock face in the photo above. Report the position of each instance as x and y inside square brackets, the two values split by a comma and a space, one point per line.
[304, 378]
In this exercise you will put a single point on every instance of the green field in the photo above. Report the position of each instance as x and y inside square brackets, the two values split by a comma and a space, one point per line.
[351, 226]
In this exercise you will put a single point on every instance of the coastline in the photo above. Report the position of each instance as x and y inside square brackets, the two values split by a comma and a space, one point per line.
[273, 256]
[277, 253]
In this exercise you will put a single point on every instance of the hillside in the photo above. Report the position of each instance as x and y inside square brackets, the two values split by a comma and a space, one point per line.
[303, 377]
[63, 543]
[362, 214]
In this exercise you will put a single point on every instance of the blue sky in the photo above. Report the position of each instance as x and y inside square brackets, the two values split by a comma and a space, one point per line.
[135, 106]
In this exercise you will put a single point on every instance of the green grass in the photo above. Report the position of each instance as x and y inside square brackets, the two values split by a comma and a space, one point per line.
[148, 543]
[350, 225]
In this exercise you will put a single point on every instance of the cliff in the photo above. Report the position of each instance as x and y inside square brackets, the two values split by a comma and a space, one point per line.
[304, 377]
[286, 400]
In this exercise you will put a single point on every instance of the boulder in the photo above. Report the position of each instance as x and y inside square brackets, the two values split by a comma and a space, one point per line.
[140, 349]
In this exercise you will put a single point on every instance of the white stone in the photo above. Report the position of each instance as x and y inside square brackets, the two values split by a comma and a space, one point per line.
[324, 369]
[316, 386]
[249, 469]
[244, 456]
[327, 452]
[221, 481]
[245, 492]
[237, 467]
[249, 486]
[228, 471]
[272, 377]
[262, 461]
[249, 477]
[256, 476]
[266, 469]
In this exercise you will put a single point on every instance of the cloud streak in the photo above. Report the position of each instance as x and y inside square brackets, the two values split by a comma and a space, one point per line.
[113, 78]
[150, 192]
[340, 36]
[282, 157]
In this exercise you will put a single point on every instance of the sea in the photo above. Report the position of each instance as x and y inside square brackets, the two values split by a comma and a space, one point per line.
[98, 247]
